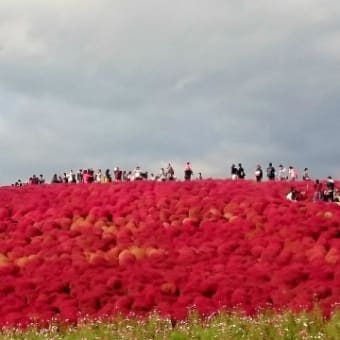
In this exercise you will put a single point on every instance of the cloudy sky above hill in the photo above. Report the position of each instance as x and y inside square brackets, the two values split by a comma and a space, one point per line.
[107, 82]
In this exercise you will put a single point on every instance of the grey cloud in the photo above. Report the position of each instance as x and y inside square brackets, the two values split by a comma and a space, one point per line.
[216, 82]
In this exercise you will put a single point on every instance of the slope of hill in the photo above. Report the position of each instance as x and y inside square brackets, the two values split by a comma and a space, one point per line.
[68, 251]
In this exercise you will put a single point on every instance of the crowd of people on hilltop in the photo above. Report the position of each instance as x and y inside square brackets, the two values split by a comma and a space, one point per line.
[282, 173]
[98, 176]
[322, 191]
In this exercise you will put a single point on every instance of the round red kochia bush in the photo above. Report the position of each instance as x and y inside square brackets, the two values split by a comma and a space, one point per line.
[5, 213]
[123, 304]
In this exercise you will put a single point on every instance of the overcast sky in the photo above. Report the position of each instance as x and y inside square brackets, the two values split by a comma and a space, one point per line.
[119, 82]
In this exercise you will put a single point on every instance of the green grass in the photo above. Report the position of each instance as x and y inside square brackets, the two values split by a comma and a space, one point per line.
[287, 326]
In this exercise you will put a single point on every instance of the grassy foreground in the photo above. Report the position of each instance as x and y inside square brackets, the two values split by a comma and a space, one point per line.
[223, 326]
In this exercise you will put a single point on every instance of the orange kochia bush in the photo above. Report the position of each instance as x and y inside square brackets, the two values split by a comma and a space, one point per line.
[68, 251]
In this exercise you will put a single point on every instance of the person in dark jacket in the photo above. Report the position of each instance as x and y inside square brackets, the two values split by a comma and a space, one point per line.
[271, 172]
[187, 172]
[234, 172]
[240, 172]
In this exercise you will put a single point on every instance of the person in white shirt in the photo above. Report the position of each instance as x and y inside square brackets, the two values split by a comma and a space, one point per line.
[98, 176]
[71, 178]
[258, 173]
[292, 195]
[282, 173]
[137, 174]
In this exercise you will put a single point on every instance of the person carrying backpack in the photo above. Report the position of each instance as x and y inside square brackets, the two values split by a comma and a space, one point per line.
[271, 172]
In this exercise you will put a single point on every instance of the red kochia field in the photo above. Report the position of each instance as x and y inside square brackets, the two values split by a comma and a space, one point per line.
[70, 251]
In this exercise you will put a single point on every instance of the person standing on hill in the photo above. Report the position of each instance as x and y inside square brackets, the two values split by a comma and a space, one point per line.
[271, 172]
[240, 172]
[258, 173]
[55, 179]
[71, 178]
[187, 172]
[306, 176]
[282, 176]
[86, 176]
[234, 172]
[98, 178]
[318, 191]
[107, 177]
[137, 174]
[330, 189]
[162, 175]
[117, 173]
[79, 176]
[293, 175]
[41, 179]
[170, 173]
